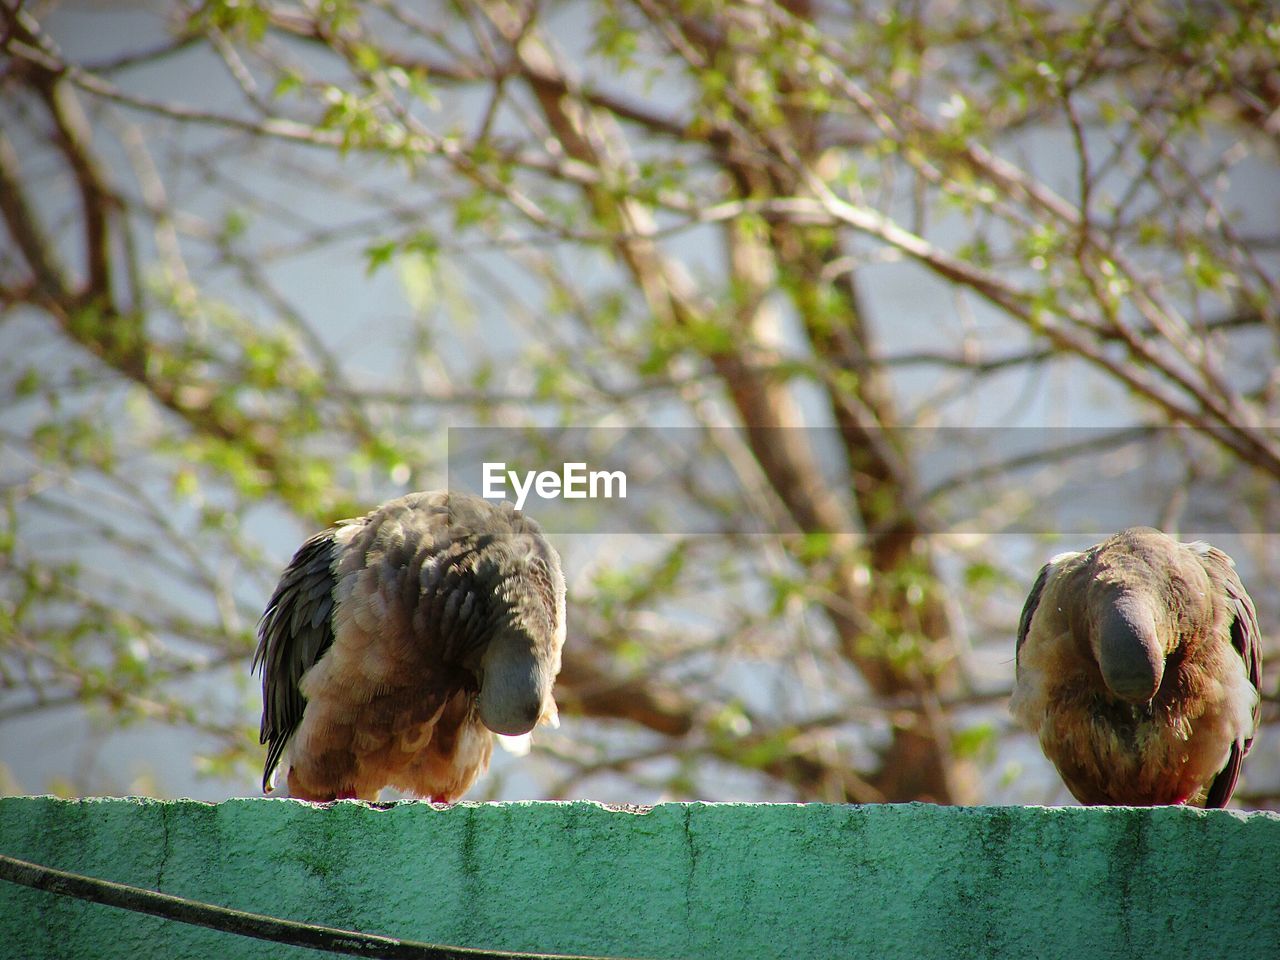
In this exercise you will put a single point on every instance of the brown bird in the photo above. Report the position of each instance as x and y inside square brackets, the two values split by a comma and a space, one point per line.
[1138, 667]
[396, 642]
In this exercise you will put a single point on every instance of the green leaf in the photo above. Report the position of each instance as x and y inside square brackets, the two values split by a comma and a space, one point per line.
[378, 255]
[289, 81]
[28, 383]
[974, 743]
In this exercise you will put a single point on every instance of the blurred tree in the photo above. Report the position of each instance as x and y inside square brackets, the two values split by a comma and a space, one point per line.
[634, 212]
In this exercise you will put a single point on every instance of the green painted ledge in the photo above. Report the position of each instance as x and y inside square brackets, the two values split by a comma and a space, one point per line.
[677, 880]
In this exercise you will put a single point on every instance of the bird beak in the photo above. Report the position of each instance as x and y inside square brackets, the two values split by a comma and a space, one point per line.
[515, 687]
[1129, 651]
[519, 746]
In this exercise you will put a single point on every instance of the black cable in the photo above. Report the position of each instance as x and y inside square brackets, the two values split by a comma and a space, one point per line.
[330, 939]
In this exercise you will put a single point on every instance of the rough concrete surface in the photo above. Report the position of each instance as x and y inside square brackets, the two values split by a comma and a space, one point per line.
[678, 880]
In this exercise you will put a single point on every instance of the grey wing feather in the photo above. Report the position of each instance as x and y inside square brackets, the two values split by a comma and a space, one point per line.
[1224, 784]
[1246, 637]
[295, 632]
[1029, 609]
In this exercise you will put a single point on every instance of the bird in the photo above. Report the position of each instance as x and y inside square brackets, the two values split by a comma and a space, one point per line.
[396, 644]
[1138, 666]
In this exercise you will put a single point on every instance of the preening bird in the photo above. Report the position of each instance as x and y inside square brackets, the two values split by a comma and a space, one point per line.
[1138, 666]
[395, 643]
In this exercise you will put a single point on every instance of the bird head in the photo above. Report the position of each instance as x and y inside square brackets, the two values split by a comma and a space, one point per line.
[1129, 645]
[1148, 591]
[516, 675]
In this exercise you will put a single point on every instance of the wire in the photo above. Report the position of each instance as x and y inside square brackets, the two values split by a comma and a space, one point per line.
[330, 939]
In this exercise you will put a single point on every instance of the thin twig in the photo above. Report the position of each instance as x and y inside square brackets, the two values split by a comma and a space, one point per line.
[351, 943]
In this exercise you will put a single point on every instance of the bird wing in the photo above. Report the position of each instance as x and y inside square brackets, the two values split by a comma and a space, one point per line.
[1029, 608]
[295, 632]
[1246, 637]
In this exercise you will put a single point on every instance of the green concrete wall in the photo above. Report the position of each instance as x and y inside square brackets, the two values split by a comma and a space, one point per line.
[678, 880]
